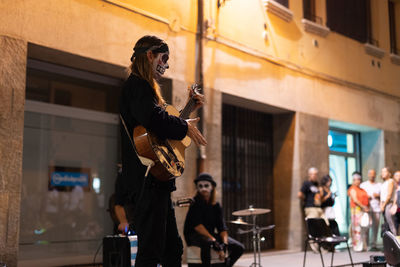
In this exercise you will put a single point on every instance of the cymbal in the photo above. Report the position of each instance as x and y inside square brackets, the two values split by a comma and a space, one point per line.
[240, 221]
[250, 211]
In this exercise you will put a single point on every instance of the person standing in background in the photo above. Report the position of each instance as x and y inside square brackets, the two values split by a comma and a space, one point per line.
[373, 190]
[388, 192]
[359, 205]
[396, 178]
[307, 194]
[327, 202]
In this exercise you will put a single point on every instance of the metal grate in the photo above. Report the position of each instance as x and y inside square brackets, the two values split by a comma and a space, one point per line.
[247, 169]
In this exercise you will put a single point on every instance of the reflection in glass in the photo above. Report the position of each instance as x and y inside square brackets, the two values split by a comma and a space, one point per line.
[337, 171]
[61, 217]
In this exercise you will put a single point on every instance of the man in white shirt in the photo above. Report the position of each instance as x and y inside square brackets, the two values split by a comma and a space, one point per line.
[373, 189]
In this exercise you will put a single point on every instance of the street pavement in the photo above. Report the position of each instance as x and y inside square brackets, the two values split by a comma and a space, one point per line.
[295, 258]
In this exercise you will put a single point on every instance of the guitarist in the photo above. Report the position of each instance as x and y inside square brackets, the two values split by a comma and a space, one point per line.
[141, 103]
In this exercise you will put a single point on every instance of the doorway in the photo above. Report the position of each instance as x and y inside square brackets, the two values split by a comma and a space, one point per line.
[344, 159]
[247, 168]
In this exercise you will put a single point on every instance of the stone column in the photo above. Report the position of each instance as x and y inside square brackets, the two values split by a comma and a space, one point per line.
[392, 150]
[300, 142]
[13, 54]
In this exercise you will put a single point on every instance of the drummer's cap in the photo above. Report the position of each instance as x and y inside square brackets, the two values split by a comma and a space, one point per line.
[205, 177]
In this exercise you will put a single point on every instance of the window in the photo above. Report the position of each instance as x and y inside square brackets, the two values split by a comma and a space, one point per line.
[284, 3]
[309, 11]
[344, 159]
[349, 18]
[394, 9]
[70, 151]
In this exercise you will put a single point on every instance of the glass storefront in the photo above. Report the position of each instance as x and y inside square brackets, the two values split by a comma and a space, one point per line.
[70, 157]
[344, 159]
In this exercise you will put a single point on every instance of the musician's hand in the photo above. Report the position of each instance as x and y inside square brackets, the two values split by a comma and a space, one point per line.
[123, 227]
[194, 133]
[221, 255]
[199, 98]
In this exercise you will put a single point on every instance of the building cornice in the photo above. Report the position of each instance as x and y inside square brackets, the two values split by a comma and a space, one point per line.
[279, 10]
[315, 28]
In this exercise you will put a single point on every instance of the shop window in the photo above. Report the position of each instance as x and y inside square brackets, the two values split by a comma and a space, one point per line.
[70, 152]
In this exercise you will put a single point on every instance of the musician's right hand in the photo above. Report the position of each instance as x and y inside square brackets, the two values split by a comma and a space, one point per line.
[123, 227]
[194, 133]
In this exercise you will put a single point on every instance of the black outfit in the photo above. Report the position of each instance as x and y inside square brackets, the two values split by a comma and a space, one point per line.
[332, 222]
[397, 215]
[309, 189]
[147, 200]
[210, 216]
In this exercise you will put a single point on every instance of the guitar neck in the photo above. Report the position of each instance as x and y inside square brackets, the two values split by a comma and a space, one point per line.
[185, 112]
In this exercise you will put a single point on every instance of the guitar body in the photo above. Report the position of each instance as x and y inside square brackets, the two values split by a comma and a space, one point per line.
[168, 155]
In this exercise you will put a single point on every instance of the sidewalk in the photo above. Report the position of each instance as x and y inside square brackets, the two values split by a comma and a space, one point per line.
[285, 258]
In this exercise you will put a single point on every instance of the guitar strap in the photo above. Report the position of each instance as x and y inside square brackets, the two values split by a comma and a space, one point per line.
[145, 161]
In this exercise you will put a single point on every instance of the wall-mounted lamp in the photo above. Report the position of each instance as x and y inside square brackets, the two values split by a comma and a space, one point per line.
[265, 33]
[221, 3]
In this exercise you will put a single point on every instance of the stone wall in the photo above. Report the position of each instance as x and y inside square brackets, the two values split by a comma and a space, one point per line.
[310, 150]
[12, 99]
[392, 149]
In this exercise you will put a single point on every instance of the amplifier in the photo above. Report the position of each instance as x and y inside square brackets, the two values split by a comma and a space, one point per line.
[119, 251]
[375, 261]
[377, 264]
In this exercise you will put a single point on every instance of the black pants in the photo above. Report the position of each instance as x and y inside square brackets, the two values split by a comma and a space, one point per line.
[155, 225]
[235, 248]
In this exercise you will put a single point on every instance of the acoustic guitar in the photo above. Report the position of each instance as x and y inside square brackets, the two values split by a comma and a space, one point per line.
[168, 155]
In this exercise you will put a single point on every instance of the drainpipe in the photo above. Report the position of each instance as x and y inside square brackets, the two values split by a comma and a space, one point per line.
[201, 152]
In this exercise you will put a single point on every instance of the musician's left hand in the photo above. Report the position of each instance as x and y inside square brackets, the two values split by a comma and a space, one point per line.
[199, 98]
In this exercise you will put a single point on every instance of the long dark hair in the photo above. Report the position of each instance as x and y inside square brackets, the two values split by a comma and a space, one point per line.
[325, 180]
[140, 64]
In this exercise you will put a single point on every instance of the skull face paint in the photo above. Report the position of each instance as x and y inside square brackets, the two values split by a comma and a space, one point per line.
[160, 64]
[204, 186]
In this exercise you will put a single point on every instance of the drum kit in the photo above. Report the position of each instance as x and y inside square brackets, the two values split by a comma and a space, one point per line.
[256, 230]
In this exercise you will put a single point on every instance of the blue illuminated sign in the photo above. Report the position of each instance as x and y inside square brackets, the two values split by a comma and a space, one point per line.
[69, 179]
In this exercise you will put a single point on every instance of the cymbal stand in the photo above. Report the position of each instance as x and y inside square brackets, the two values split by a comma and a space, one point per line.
[256, 243]
[256, 230]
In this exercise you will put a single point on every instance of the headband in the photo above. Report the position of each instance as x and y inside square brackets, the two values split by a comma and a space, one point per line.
[162, 48]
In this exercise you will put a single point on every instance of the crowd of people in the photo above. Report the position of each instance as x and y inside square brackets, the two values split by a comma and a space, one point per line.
[369, 201]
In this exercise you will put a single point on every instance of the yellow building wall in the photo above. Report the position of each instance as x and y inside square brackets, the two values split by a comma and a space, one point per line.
[336, 55]
[286, 70]
[103, 30]
[335, 80]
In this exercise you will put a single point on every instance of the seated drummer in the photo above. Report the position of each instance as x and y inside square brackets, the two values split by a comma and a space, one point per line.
[203, 218]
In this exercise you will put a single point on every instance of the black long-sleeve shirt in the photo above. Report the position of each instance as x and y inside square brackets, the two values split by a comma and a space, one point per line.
[210, 216]
[138, 106]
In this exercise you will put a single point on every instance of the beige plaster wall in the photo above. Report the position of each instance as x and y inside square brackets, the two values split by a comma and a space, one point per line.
[256, 79]
[100, 30]
[242, 22]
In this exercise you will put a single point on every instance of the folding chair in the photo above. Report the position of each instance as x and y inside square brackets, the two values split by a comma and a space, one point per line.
[318, 232]
[391, 249]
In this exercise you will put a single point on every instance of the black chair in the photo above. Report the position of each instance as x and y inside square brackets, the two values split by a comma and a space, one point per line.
[318, 232]
[391, 249]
